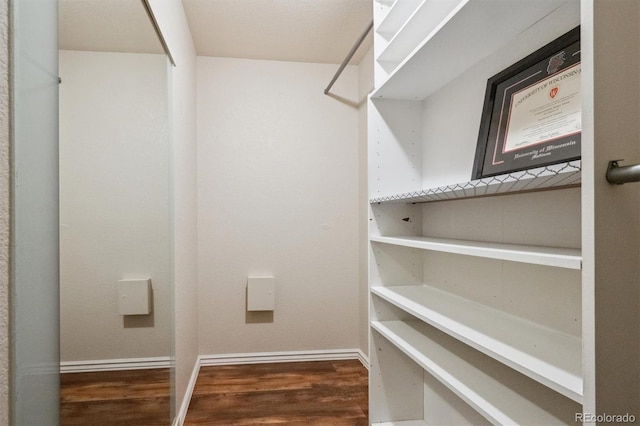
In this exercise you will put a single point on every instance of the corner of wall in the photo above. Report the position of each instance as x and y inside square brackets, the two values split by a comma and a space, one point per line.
[174, 26]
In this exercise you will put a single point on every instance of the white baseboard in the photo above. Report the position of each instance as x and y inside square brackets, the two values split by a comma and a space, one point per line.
[114, 364]
[289, 356]
[364, 360]
[182, 412]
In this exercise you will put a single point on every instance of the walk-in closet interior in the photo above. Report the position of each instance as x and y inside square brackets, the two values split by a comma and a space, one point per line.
[207, 183]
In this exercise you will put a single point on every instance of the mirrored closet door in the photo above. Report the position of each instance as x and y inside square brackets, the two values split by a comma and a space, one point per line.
[116, 290]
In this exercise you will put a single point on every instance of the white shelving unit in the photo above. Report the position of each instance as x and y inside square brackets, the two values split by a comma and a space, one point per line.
[475, 285]
[543, 354]
[404, 423]
[550, 256]
[396, 17]
[490, 389]
[470, 31]
[422, 20]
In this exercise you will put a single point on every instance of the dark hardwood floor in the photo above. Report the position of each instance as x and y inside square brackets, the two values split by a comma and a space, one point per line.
[122, 398]
[294, 393]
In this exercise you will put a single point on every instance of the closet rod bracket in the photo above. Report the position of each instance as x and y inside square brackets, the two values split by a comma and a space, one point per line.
[618, 175]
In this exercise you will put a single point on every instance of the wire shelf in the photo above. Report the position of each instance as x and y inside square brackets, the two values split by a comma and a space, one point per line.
[553, 176]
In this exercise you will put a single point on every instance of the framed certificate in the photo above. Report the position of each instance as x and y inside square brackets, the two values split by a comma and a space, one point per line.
[532, 111]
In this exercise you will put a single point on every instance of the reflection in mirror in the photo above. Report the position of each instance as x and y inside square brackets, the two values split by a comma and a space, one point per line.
[116, 301]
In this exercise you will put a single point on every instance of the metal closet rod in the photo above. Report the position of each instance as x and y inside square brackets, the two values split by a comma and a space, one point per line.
[348, 57]
[156, 28]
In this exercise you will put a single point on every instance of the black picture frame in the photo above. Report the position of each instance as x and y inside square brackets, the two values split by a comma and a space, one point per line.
[547, 128]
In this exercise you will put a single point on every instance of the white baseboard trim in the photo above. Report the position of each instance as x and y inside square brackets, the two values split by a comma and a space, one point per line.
[364, 360]
[182, 412]
[289, 356]
[114, 364]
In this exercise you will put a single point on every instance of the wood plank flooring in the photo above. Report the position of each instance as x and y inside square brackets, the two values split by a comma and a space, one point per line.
[131, 398]
[295, 393]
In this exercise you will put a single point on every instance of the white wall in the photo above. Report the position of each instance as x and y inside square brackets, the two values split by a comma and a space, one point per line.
[5, 212]
[277, 194]
[182, 112]
[114, 203]
[365, 86]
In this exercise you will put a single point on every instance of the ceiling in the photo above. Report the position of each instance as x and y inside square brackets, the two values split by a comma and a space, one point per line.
[288, 30]
[320, 31]
[106, 26]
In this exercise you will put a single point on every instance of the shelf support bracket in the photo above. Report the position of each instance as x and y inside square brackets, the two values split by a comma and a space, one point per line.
[618, 175]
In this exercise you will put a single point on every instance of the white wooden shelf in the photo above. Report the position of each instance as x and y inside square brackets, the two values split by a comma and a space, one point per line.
[549, 256]
[475, 29]
[397, 16]
[555, 176]
[545, 355]
[492, 392]
[402, 423]
[418, 23]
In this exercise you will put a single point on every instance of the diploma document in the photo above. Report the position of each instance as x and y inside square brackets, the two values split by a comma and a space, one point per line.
[548, 110]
